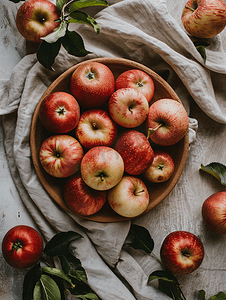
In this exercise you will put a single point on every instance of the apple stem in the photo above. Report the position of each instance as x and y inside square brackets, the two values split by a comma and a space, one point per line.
[139, 192]
[192, 9]
[152, 130]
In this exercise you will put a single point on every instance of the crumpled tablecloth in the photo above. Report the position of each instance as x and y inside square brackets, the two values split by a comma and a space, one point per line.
[142, 31]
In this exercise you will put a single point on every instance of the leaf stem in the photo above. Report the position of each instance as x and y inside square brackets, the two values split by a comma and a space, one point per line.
[156, 257]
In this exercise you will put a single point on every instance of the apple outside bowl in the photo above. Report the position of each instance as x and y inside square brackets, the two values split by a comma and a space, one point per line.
[54, 186]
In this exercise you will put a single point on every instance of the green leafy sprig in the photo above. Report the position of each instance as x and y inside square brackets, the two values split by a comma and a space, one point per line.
[45, 281]
[70, 40]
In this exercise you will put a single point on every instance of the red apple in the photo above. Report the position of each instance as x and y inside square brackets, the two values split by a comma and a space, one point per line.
[92, 84]
[136, 79]
[81, 199]
[135, 151]
[59, 112]
[167, 122]
[182, 252]
[36, 19]
[162, 167]
[128, 107]
[129, 198]
[96, 128]
[204, 18]
[22, 246]
[61, 155]
[102, 168]
[214, 212]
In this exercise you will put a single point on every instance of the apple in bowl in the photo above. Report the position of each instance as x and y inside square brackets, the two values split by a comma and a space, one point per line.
[35, 19]
[167, 122]
[81, 199]
[135, 150]
[59, 112]
[92, 84]
[61, 155]
[136, 79]
[161, 168]
[182, 252]
[128, 107]
[96, 128]
[129, 198]
[102, 168]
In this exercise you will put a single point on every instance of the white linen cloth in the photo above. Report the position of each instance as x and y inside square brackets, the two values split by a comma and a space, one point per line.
[143, 31]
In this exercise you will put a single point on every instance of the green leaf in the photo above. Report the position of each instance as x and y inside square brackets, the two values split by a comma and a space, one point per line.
[58, 273]
[60, 4]
[170, 289]
[58, 33]
[201, 47]
[73, 267]
[30, 280]
[91, 296]
[78, 274]
[64, 264]
[82, 17]
[168, 284]
[139, 238]
[162, 275]
[47, 53]
[219, 296]
[50, 288]
[59, 244]
[37, 295]
[216, 169]
[74, 45]
[202, 295]
[86, 3]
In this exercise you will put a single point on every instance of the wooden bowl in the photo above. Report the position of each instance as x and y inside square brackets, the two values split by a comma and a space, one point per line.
[54, 186]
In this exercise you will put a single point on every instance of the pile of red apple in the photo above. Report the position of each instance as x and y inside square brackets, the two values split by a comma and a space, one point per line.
[103, 136]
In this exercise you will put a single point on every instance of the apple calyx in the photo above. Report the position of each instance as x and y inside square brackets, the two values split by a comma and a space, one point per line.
[61, 110]
[160, 166]
[90, 75]
[140, 84]
[152, 130]
[17, 245]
